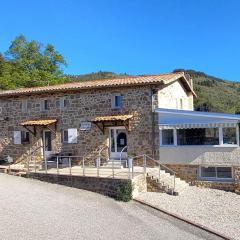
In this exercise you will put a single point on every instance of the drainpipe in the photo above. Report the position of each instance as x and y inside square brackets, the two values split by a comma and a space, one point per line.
[153, 91]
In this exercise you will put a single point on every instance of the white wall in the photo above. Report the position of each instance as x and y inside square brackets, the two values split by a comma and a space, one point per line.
[169, 97]
[208, 155]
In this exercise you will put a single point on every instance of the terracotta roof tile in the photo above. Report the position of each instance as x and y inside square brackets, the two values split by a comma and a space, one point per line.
[127, 81]
[112, 118]
[40, 122]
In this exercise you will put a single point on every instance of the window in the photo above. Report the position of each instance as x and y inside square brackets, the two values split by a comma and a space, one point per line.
[63, 102]
[24, 106]
[25, 137]
[229, 136]
[70, 135]
[167, 137]
[198, 136]
[45, 105]
[216, 173]
[181, 103]
[20, 137]
[117, 102]
[65, 136]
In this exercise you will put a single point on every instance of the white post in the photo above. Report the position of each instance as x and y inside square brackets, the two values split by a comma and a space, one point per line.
[220, 134]
[237, 134]
[83, 166]
[57, 166]
[45, 161]
[70, 166]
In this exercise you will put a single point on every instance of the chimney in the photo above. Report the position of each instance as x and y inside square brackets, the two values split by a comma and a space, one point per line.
[189, 79]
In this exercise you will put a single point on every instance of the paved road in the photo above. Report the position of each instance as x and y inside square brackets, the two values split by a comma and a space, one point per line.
[30, 209]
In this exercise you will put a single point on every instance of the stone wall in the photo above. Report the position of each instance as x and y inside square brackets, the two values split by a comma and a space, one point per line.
[81, 106]
[226, 186]
[188, 173]
[105, 186]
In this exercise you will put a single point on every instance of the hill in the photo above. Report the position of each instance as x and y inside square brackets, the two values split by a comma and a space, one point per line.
[215, 94]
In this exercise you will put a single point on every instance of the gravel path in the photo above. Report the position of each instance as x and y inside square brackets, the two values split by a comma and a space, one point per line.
[30, 209]
[216, 209]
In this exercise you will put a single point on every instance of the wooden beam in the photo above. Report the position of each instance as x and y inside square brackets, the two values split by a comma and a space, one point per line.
[29, 130]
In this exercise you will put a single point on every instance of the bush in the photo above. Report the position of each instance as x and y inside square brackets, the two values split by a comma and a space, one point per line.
[124, 192]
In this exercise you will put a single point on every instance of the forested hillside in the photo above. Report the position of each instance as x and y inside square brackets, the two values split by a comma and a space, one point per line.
[214, 94]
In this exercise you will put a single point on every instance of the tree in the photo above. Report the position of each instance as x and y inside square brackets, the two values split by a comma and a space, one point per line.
[29, 64]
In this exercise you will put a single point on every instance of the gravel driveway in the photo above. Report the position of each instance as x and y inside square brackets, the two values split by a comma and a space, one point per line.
[30, 209]
[216, 209]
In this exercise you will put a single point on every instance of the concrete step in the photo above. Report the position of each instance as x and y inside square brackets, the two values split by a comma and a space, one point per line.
[166, 181]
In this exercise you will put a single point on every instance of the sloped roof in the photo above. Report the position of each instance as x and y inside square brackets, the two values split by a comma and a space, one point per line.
[40, 122]
[112, 118]
[127, 81]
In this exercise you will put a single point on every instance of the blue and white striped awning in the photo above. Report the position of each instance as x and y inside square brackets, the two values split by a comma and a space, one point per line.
[196, 125]
[180, 119]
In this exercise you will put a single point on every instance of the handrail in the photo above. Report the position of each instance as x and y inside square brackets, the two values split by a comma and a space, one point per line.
[35, 150]
[121, 153]
[100, 151]
[169, 169]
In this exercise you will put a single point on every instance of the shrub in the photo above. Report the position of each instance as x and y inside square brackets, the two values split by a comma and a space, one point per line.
[124, 191]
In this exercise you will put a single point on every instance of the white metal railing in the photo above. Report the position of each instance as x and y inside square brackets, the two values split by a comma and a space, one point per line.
[141, 164]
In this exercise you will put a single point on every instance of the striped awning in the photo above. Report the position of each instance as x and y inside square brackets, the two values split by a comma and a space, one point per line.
[182, 119]
[196, 125]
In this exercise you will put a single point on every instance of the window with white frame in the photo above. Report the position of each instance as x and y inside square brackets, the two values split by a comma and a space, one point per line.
[69, 135]
[198, 136]
[45, 105]
[229, 135]
[63, 102]
[117, 101]
[167, 137]
[24, 106]
[21, 137]
[216, 173]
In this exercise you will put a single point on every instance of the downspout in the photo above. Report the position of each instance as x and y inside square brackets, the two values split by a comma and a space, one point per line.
[153, 91]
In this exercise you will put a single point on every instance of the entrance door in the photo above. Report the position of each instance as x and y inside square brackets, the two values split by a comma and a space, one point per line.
[47, 143]
[118, 140]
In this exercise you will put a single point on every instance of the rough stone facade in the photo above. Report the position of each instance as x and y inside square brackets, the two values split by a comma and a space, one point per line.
[80, 107]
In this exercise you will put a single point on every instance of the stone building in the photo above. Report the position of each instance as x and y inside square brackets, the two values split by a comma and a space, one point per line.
[79, 118]
[150, 115]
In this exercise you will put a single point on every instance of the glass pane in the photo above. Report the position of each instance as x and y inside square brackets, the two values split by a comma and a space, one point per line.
[208, 172]
[224, 172]
[121, 140]
[48, 141]
[167, 137]
[198, 136]
[229, 136]
[112, 141]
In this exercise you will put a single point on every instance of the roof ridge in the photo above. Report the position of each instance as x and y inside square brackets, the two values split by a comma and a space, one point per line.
[97, 83]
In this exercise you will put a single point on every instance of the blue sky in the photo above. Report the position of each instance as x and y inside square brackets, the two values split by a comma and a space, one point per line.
[132, 36]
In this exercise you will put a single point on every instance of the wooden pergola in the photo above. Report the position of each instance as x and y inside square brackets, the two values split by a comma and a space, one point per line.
[40, 123]
[111, 121]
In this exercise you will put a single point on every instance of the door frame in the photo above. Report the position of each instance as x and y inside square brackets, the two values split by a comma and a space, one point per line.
[115, 154]
[46, 154]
